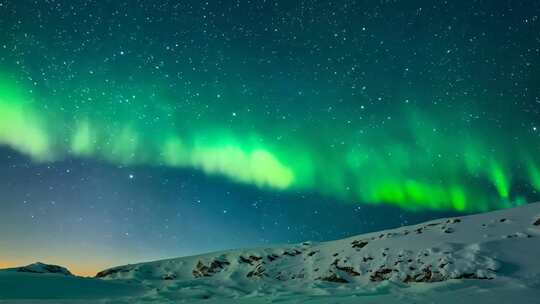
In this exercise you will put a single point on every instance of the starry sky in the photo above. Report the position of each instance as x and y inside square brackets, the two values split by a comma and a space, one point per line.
[138, 130]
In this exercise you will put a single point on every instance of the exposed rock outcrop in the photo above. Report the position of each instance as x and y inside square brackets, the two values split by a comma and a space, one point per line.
[202, 270]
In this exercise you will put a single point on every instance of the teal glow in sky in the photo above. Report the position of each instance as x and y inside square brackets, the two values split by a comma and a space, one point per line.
[414, 106]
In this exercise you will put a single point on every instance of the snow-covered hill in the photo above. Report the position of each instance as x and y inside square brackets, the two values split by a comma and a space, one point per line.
[501, 247]
[41, 268]
[486, 258]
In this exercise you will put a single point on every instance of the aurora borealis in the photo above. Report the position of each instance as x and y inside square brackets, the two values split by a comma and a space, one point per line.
[411, 161]
[417, 106]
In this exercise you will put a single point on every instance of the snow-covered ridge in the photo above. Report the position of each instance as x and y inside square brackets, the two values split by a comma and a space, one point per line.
[503, 244]
[41, 268]
[486, 258]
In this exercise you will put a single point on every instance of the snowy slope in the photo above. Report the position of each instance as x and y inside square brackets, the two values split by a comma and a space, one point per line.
[498, 250]
[486, 258]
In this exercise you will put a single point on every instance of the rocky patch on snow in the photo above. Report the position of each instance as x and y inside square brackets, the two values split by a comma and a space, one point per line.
[202, 270]
[113, 271]
[431, 252]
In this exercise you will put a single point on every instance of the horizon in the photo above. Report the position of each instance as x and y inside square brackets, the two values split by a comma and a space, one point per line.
[91, 271]
[136, 130]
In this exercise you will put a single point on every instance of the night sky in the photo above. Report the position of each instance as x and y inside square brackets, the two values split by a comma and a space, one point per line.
[139, 130]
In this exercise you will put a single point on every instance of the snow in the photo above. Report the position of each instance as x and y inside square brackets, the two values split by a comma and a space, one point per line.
[41, 268]
[21, 287]
[484, 258]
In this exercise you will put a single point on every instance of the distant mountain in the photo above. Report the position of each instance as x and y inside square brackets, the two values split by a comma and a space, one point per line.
[41, 268]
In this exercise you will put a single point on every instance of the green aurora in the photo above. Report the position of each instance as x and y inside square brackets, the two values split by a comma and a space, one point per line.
[451, 163]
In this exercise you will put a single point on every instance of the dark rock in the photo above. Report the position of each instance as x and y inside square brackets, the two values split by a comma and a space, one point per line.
[217, 264]
[382, 274]
[365, 259]
[448, 230]
[202, 270]
[244, 260]
[359, 244]
[255, 258]
[334, 278]
[108, 272]
[272, 257]
[428, 276]
[537, 222]
[472, 276]
[348, 269]
[292, 252]
[258, 272]
[169, 276]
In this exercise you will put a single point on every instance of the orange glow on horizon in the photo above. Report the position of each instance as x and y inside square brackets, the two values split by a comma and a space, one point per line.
[84, 270]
